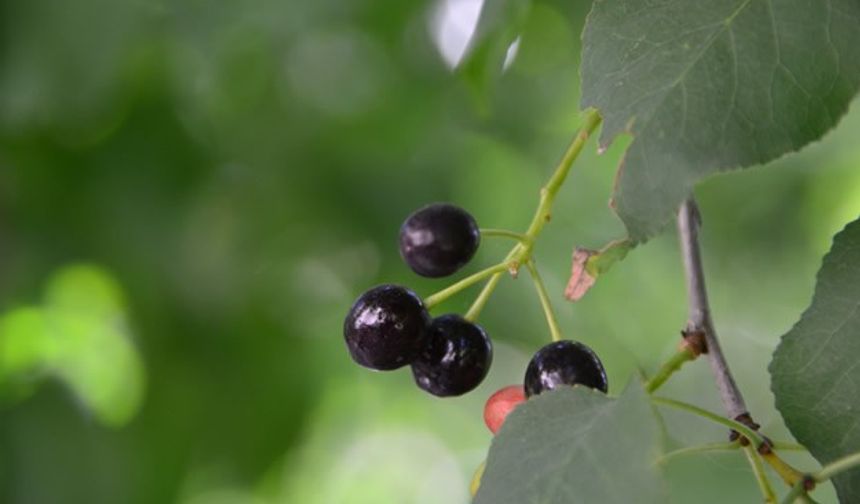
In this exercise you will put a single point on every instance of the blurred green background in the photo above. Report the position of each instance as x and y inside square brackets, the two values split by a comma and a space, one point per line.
[192, 194]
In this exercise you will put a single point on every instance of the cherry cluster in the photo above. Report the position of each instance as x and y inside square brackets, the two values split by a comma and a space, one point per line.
[389, 327]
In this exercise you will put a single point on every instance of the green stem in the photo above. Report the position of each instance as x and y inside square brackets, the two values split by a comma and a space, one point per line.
[481, 301]
[554, 330]
[685, 354]
[521, 253]
[504, 233]
[550, 190]
[838, 467]
[483, 297]
[465, 283]
[798, 493]
[786, 472]
[750, 434]
[798, 490]
[786, 446]
[690, 450]
[760, 475]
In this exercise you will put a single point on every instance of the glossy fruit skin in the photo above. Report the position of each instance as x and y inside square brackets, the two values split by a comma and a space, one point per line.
[500, 405]
[438, 240]
[455, 359]
[564, 363]
[386, 327]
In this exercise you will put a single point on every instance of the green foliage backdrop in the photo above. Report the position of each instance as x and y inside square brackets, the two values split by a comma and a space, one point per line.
[239, 172]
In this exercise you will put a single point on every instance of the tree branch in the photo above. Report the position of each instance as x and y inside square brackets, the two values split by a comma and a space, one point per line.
[699, 323]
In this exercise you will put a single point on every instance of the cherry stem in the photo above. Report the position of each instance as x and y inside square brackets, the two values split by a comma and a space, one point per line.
[670, 367]
[465, 283]
[504, 233]
[483, 297]
[554, 330]
[522, 252]
[487, 291]
[760, 475]
[550, 190]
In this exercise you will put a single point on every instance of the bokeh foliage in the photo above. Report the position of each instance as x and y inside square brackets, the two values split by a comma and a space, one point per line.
[240, 171]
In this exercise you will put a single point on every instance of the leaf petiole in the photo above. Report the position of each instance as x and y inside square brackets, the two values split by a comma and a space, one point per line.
[683, 355]
[504, 233]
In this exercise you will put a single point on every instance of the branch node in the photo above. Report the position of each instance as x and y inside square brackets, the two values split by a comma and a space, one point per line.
[746, 419]
[765, 448]
[695, 341]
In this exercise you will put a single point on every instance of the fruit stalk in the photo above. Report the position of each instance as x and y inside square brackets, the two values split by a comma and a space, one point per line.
[503, 233]
[435, 299]
[550, 190]
[554, 329]
[699, 321]
[764, 485]
[521, 252]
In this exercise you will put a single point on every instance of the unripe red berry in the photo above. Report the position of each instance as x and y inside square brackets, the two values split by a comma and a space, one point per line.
[500, 404]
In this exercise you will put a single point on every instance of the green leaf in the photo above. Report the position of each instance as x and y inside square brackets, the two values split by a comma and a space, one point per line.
[815, 370]
[711, 86]
[576, 445]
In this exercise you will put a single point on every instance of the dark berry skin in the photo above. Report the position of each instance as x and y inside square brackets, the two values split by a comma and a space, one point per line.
[564, 363]
[438, 240]
[455, 359]
[386, 327]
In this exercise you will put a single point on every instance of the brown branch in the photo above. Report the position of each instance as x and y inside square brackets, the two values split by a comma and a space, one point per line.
[699, 323]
